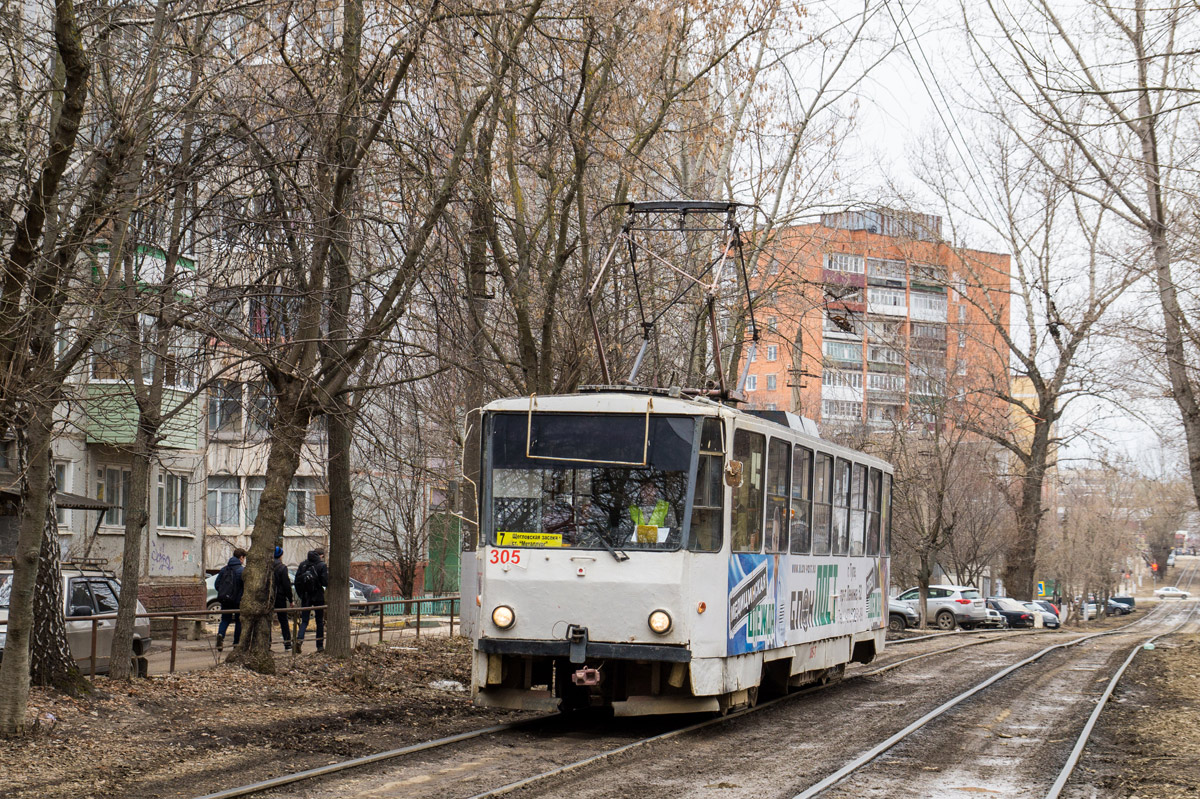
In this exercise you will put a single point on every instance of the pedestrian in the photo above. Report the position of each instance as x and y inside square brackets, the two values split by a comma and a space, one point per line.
[312, 578]
[229, 593]
[283, 597]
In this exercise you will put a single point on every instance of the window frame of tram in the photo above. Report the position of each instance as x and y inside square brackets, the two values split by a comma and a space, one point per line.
[822, 503]
[777, 492]
[841, 506]
[802, 475]
[858, 510]
[885, 515]
[746, 509]
[874, 484]
[706, 529]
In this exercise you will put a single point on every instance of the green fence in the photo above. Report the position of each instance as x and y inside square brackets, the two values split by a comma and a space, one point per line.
[430, 606]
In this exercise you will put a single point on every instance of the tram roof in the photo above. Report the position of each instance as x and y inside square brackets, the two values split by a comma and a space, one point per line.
[620, 400]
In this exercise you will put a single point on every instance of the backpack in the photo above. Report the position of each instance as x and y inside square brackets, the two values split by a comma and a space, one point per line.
[226, 586]
[306, 580]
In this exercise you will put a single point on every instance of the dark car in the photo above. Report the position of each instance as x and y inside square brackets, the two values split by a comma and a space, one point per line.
[1127, 601]
[371, 593]
[1048, 606]
[1116, 608]
[1016, 614]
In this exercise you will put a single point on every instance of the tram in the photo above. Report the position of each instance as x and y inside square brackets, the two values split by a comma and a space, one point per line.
[654, 552]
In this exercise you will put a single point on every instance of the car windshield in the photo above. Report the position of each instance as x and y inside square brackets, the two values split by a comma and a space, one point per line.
[589, 481]
[5, 590]
[1004, 603]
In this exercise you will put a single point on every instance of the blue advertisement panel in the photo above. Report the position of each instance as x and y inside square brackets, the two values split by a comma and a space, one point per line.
[753, 603]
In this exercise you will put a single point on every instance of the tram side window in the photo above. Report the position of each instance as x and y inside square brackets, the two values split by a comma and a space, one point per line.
[822, 494]
[779, 472]
[708, 501]
[841, 506]
[858, 516]
[747, 513]
[873, 512]
[885, 514]
[801, 501]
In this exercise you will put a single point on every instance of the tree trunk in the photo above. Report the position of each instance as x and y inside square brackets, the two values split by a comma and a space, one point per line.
[341, 527]
[50, 658]
[1020, 561]
[137, 518]
[288, 430]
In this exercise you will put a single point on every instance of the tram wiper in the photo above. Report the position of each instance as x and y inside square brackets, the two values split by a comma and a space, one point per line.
[617, 554]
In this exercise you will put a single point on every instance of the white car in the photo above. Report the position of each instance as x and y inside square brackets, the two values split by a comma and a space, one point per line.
[1168, 591]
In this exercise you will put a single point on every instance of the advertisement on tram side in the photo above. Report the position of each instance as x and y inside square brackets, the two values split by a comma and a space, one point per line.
[779, 600]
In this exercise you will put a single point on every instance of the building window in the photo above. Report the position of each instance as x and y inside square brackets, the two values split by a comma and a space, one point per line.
[753, 354]
[300, 502]
[751, 382]
[224, 501]
[6, 461]
[770, 382]
[886, 269]
[882, 353]
[110, 359]
[841, 409]
[254, 490]
[844, 262]
[261, 407]
[962, 313]
[929, 273]
[929, 305]
[843, 351]
[62, 480]
[962, 339]
[842, 322]
[888, 298]
[112, 487]
[224, 406]
[838, 378]
[885, 382]
[772, 352]
[172, 500]
[936, 332]
[772, 323]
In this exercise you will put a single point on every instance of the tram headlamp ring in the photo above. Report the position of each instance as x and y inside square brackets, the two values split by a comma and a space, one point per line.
[660, 622]
[503, 617]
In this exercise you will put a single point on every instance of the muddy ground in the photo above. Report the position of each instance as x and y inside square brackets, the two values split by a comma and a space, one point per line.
[1146, 742]
[189, 734]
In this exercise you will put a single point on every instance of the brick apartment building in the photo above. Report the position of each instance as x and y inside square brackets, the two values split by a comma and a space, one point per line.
[868, 318]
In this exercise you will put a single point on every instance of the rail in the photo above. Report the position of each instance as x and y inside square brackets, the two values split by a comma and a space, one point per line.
[447, 607]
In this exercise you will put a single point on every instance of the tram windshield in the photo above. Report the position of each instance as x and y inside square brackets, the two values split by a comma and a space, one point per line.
[588, 481]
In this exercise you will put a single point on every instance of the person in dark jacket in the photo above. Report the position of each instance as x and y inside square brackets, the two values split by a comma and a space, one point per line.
[230, 597]
[283, 596]
[313, 595]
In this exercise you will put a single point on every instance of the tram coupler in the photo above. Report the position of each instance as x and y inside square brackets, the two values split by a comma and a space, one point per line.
[586, 676]
[578, 638]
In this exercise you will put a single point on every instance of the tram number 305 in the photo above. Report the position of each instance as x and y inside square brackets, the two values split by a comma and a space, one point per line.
[512, 556]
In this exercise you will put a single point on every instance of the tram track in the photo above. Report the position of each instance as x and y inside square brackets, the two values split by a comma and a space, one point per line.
[532, 724]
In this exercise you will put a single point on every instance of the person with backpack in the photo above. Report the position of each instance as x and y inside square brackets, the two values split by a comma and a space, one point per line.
[229, 593]
[312, 578]
[282, 596]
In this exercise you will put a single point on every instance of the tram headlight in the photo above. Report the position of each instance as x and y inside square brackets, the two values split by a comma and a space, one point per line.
[503, 617]
[660, 622]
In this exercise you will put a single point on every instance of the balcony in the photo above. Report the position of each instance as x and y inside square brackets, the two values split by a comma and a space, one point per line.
[110, 416]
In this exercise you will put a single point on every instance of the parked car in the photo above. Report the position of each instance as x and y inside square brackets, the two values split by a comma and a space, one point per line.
[372, 593]
[1116, 608]
[210, 601]
[995, 620]
[901, 617]
[1127, 601]
[950, 606]
[1049, 619]
[1047, 605]
[89, 589]
[1170, 592]
[1013, 611]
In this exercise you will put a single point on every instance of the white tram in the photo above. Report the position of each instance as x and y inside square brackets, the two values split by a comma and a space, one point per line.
[661, 554]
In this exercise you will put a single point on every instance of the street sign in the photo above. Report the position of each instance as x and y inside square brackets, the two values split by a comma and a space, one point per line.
[1041, 588]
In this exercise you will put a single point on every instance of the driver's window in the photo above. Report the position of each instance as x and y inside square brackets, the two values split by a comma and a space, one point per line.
[913, 594]
[80, 596]
[708, 500]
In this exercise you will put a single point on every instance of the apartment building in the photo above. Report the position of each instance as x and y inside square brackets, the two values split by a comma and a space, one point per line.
[869, 319]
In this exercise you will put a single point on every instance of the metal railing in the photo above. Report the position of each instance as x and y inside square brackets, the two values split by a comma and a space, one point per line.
[445, 607]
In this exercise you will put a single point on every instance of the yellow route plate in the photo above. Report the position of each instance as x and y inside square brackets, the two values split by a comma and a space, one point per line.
[506, 538]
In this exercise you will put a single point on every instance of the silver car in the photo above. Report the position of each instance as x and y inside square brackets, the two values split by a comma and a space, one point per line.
[950, 606]
[88, 590]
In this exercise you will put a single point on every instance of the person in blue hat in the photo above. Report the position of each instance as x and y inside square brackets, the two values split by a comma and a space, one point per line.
[283, 596]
